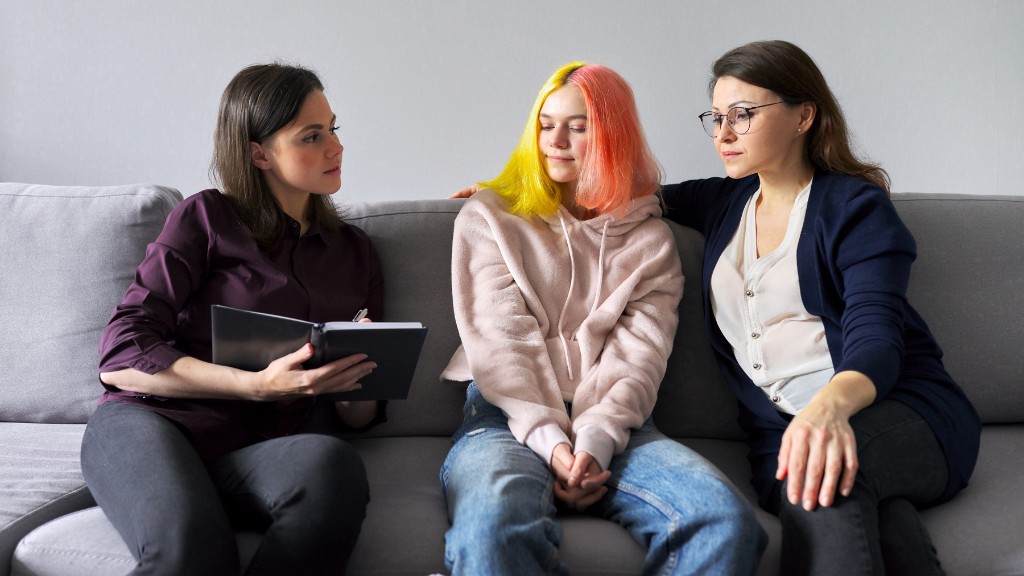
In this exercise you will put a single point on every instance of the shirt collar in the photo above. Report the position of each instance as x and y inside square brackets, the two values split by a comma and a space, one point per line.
[315, 229]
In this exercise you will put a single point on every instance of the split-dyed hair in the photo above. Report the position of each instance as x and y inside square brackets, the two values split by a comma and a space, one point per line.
[618, 166]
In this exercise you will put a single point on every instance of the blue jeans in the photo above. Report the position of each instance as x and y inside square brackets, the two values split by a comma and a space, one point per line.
[671, 500]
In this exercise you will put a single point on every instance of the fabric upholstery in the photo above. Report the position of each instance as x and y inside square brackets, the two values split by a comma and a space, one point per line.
[68, 255]
[40, 478]
[967, 283]
[85, 542]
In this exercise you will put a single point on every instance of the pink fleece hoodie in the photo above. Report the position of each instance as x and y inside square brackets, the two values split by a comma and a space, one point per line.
[555, 310]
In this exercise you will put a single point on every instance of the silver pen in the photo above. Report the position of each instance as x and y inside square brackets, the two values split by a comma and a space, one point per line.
[360, 315]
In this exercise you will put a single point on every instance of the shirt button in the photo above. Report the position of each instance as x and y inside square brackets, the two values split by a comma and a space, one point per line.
[748, 293]
[776, 398]
[757, 366]
[755, 335]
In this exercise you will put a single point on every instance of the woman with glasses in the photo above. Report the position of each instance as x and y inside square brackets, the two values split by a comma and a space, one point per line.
[853, 422]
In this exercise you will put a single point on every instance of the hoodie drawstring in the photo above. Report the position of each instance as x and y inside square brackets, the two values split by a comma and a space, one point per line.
[568, 297]
[572, 283]
[600, 268]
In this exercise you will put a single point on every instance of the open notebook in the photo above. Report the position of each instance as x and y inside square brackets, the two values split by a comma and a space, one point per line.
[252, 340]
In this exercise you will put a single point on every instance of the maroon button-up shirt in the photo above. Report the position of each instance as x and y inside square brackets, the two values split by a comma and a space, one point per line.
[202, 257]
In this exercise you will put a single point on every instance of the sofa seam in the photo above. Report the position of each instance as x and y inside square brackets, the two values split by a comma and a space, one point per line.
[75, 553]
[48, 503]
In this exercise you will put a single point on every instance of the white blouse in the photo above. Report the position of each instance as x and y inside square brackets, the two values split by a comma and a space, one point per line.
[756, 302]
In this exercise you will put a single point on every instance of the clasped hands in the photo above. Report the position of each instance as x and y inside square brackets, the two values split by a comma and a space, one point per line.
[579, 480]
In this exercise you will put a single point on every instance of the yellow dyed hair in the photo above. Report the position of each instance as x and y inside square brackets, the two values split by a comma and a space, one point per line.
[619, 165]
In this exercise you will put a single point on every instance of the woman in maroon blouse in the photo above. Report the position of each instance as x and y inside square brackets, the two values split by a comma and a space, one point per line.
[182, 452]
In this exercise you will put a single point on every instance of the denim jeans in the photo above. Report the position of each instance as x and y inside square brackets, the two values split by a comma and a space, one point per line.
[671, 500]
[307, 493]
[877, 529]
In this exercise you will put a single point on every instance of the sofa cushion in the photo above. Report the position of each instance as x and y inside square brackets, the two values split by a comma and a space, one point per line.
[85, 542]
[40, 478]
[414, 241]
[977, 532]
[967, 284]
[69, 254]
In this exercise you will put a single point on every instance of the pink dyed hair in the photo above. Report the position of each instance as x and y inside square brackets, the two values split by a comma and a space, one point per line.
[619, 165]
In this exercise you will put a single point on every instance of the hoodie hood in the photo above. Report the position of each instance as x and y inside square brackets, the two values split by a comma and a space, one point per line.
[614, 223]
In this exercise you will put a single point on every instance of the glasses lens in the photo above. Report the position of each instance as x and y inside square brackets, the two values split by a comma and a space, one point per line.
[739, 120]
[707, 119]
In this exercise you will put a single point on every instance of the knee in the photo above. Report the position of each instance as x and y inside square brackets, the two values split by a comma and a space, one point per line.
[731, 518]
[332, 479]
[194, 544]
[504, 539]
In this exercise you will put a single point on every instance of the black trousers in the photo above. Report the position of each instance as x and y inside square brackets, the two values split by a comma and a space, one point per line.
[877, 529]
[307, 493]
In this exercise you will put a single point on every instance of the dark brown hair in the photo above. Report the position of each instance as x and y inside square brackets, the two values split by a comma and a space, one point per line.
[259, 101]
[789, 72]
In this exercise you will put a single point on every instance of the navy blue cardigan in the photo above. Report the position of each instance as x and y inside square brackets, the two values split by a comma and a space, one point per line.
[853, 262]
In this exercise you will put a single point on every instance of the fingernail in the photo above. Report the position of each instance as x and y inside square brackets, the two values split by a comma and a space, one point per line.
[808, 504]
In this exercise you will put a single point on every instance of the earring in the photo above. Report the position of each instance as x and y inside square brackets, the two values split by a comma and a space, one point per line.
[798, 129]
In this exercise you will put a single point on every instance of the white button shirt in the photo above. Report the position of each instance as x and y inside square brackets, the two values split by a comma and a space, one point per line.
[756, 302]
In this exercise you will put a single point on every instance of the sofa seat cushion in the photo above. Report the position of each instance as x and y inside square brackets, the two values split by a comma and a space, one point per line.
[977, 532]
[407, 517]
[404, 529]
[85, 542]
[40, 478]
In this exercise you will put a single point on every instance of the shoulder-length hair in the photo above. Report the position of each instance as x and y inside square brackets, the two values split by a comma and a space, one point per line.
[259, 101]
[618, 167]
[789, 72]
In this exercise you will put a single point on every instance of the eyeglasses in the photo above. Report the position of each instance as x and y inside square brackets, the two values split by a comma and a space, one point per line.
[738, 118]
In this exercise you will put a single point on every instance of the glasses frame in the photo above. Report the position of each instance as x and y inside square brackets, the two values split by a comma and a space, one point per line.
[732, 123]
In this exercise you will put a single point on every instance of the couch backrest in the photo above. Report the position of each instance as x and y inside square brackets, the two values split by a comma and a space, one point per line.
[68, 254]
[968, 284]
[414, 239]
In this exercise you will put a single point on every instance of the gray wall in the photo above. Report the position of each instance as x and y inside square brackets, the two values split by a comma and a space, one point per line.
[432, 94]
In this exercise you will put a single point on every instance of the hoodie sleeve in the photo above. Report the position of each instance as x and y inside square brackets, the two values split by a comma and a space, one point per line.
[620, 394]
[502, 338]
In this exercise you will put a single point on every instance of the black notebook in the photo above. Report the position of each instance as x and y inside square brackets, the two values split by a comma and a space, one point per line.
[252, 340]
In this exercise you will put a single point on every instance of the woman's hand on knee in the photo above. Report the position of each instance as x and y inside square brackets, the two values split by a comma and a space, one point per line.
[819, 449]
[818, 456]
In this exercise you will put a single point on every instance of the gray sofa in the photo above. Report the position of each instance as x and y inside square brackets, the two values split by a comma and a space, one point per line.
[69, 252]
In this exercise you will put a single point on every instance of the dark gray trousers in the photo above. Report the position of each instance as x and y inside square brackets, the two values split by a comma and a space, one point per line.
[877, 529]
[307, 493]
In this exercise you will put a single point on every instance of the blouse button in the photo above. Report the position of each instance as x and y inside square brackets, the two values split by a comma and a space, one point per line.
[748, 293]
[757, 366]
[776, 398]
[755, 335]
